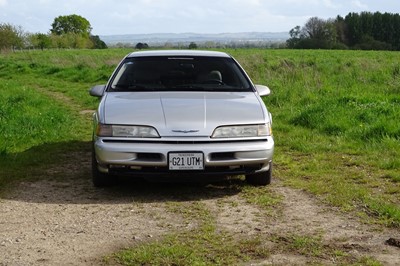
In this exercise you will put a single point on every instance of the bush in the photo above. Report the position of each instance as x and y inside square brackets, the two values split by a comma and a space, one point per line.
[369, 43]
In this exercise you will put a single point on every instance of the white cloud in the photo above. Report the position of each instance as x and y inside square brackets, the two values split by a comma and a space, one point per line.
[329, 4]
[359, 4]
[206, 16]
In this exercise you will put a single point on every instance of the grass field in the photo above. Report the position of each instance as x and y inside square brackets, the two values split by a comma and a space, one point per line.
[41, 96]
[336, 125]
[336, 119]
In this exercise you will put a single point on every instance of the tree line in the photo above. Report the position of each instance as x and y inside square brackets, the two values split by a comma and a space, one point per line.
[365, 31]
[72, 31]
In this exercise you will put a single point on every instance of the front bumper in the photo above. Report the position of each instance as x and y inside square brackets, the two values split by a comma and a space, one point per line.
[151, 157]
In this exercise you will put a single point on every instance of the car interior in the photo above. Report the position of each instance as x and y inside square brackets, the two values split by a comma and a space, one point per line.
[167, 74]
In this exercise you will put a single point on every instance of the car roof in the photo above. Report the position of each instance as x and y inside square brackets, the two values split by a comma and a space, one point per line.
[178, 53]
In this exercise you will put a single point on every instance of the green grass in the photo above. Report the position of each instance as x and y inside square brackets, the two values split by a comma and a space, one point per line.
[335, 125]
[205, 245]
[319, 253]
[31, 82]
[28, 118]
[71, 72]
[41, 97]
[194, 248]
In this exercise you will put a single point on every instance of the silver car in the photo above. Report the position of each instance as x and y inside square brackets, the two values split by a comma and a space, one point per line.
[181, 113]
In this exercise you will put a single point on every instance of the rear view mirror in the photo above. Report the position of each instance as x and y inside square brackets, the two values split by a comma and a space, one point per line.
[97, 91]
[263, 90]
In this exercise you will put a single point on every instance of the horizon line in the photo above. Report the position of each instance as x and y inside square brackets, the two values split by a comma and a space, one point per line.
[198, 33]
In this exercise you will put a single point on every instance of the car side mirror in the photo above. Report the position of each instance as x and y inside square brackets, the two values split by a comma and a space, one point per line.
[263, 90]
[97, 91]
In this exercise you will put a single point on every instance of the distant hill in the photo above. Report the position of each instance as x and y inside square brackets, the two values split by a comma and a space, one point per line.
[184, 38]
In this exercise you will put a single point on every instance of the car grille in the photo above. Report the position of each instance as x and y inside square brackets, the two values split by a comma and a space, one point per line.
[216, 170]
[151, 157]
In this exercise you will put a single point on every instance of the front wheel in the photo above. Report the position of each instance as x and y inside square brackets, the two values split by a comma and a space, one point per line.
[260, 179]
[99, 179]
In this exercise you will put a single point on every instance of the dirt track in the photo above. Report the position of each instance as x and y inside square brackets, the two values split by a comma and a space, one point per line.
[68, 222]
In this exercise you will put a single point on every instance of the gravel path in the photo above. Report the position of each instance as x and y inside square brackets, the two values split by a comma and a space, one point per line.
[68, 222]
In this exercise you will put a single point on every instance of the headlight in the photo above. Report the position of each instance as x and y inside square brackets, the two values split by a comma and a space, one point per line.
[126, 131]
[246, 131]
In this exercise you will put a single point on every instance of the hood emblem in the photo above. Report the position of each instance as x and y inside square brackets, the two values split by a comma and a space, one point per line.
[185, 131]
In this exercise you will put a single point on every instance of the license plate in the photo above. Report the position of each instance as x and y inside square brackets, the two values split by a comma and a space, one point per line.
[186, 161]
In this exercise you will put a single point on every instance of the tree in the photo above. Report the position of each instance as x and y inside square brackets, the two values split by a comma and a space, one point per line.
[314, 28]
[315, 34]
[369, 43]
[192, 45]
[342, 31]
[373, 30]
[74, 31]
[70, 40]
[40, 40]
[367, 31]
[320, 29]
[71, 24]
[11, 37]
[141, 46]
[97, 43]
[295, 35]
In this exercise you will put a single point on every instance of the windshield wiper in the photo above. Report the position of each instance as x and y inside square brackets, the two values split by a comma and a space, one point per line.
[186, 87]
[131, 87]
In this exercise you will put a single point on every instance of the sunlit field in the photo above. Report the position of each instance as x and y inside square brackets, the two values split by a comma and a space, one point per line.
[335, 118]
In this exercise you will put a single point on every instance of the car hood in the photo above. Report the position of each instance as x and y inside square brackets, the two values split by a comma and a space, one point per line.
[183, 113]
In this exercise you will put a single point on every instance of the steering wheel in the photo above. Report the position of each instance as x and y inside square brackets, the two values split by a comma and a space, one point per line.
[214, 81]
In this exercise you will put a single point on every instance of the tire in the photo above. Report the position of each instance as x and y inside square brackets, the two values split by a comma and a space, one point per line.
[260, 179]
[99, 179]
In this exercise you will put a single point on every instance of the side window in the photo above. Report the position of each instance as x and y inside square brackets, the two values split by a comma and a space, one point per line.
[121, 78]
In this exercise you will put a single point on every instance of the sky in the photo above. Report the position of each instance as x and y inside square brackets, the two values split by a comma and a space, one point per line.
[119, 17]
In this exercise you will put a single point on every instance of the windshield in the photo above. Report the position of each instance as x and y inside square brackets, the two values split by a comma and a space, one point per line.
[179, 73]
